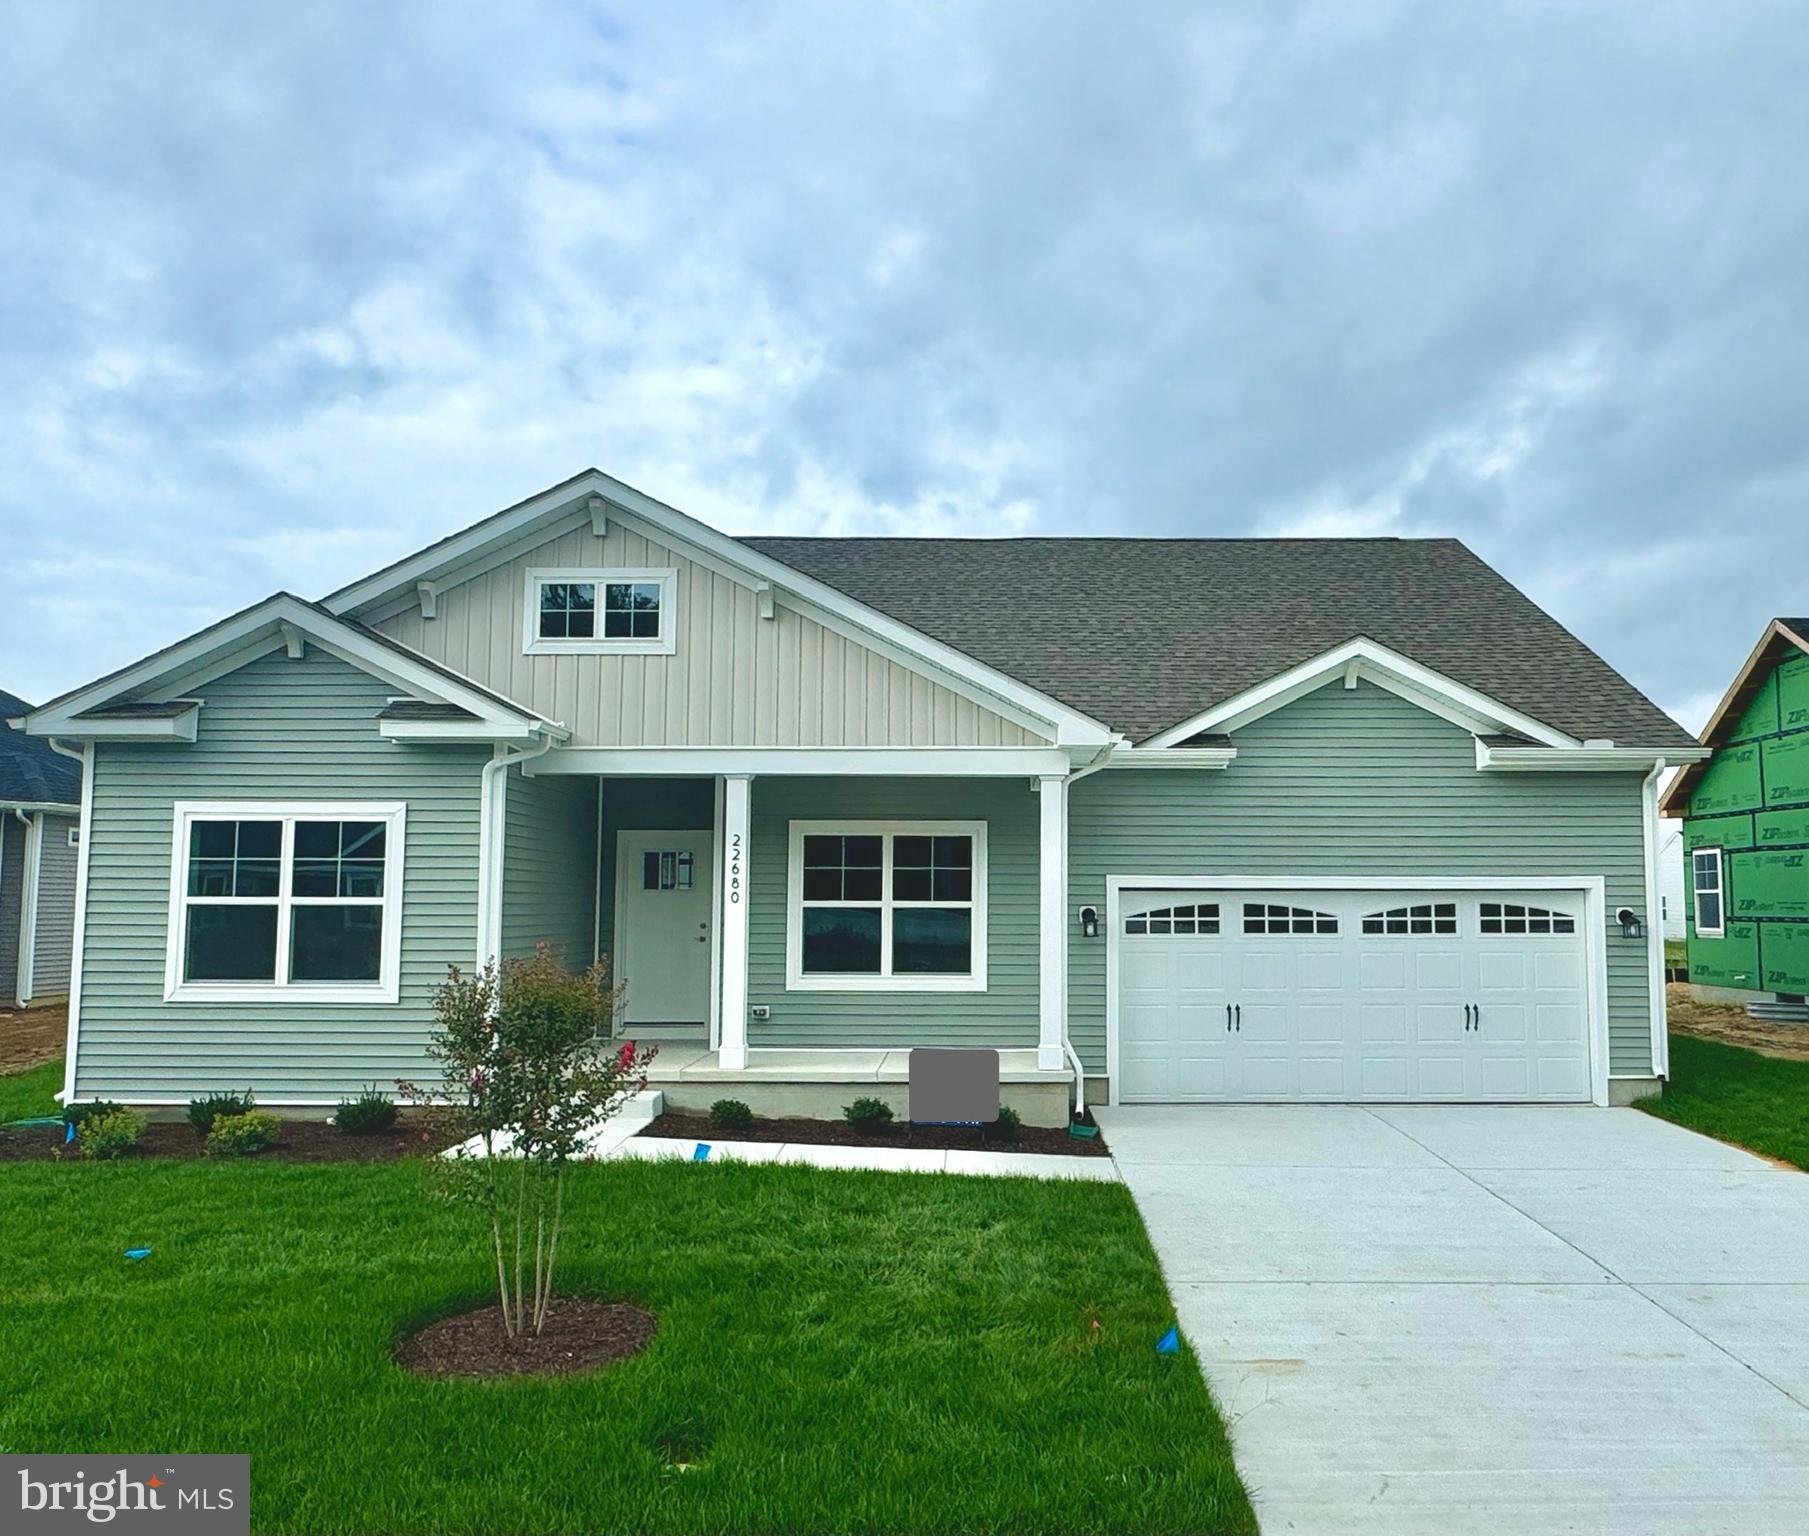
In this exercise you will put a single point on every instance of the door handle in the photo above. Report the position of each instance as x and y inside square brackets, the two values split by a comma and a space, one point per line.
[1240, 1018]
[1227, 1018]
[1466, 1018]
[1479, 1018]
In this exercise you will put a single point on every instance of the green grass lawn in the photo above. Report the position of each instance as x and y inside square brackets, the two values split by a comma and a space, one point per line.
[848, 1351]
[1754, 1101]
[31, 1093]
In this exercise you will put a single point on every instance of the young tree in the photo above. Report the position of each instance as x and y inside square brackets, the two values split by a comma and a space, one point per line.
[527, 1076]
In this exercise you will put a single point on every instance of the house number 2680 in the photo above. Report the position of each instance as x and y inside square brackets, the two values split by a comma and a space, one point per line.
[734, 868]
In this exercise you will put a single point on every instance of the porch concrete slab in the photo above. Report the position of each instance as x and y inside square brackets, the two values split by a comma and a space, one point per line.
[1258, 1135]
[1766, 1326]
[1014, 1067]
[1259, 1224]
[788, 1067]
[1456, 1408]
[671, 1060]
[1474, 1137]
[1685, 1225]
[1034, 1165]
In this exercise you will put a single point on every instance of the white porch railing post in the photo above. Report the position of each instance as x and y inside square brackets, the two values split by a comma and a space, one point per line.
[1052, 875]
[732, 891]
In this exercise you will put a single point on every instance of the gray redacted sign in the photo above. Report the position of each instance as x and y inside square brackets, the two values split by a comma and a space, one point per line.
[191, 1495]
[952, 1087]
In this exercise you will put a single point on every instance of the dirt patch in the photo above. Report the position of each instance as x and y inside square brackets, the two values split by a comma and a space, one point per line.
[837, 1133]
[300, 1141]
[580, 1335]
[1733, 1026]
[31, 1037]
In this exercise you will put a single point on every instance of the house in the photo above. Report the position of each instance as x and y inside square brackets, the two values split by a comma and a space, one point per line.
[1745, 812]
[40, 832]
[1198, 819]
[1671, 898]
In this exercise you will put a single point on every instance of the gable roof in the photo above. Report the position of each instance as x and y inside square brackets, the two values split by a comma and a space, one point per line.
[30, 771]
[1783, 638]
[127, 699]
[1148, 633]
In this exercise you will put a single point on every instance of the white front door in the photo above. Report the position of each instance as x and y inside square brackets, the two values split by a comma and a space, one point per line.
[662, 960]
[1386, 996]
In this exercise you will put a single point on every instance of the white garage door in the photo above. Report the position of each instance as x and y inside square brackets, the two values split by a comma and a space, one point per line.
[1475, 996]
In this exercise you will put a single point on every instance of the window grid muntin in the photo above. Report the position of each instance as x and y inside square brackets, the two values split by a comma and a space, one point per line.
[1511, 918]
[1276, 919]
[1199, 920]
[1416, 920]
[885, 905]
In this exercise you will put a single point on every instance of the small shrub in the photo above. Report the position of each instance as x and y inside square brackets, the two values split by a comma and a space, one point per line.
[1008, 1127]
[370, 1112]
[868, 1116]
[730, 1115]
[243, 1135]
[78, 1115]
[110, 1135]
[203, 1112]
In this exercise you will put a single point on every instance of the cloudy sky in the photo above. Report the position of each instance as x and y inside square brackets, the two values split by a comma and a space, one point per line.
[287, 291]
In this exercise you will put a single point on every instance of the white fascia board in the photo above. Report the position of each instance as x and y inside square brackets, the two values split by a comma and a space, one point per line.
[1376, 663]
[1582, 759]
[182, 727]
[258, 631]
[903, 762]
[737, 562]
[472, 731]
[1171, 757]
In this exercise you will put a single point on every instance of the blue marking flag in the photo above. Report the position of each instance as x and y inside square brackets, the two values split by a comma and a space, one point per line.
[138, 1253]
[702, 1153]
[69, 1133]
[1169, 1343]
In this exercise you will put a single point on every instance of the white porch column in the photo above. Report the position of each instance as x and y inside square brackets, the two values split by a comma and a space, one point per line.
[1052, 925]
[732, 888]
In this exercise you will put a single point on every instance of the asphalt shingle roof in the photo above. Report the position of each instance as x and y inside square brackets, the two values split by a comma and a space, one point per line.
[29, 769]
[1146, 633]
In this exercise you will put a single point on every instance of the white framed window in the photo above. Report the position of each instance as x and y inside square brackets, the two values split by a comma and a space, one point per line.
[600, 612]
[298, 901]
[1711, 901]
[886, 906]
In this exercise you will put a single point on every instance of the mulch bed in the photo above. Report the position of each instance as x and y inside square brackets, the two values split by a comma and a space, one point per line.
[837, 1133]
[300, 1141]
[580, 1335]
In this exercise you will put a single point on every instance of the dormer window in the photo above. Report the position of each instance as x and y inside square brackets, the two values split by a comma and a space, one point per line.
[600, 612]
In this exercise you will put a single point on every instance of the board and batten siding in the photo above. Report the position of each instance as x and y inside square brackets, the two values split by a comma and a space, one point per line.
[550, 867]
[1004, 1015]
[734, 679]
[55, 937]
[275, 729]
[1359, 782]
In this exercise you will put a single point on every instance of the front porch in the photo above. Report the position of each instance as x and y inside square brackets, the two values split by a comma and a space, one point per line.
[788, 939]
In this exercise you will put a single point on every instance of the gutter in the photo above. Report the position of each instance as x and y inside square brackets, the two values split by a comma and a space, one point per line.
[1100, 759]
[1655, 935]
[491, 816]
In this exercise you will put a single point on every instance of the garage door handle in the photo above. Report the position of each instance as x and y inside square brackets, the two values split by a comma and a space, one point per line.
[1227, 1018]
[1479, 1018]
[1466, 1018]
[1240, 1018]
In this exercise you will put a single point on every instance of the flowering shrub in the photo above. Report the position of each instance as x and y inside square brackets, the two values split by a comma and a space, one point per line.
[525, 1082]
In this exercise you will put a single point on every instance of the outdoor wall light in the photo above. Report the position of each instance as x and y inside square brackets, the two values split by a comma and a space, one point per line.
[1089, 922]
[1631, 927]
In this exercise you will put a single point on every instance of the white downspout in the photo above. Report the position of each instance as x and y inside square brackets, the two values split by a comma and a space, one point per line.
[1098, 761]
[1655, 936]
[491, 808]
[28, 903]
[79, 938]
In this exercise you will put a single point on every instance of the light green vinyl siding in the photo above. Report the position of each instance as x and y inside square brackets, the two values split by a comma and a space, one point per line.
[1359, 783]
[550, 866]
[273, 730]
[1004, 1015]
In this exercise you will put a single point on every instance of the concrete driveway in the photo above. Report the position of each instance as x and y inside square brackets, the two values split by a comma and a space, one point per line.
[1441, 1320]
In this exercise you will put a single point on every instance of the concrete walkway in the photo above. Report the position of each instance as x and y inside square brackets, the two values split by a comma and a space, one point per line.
[1530, 1320]
[1029, 1165]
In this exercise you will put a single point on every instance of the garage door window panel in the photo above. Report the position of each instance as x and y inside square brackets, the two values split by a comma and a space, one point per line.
[1439, 917]
[1268, 918]
[1504, 918]
[1198, 921]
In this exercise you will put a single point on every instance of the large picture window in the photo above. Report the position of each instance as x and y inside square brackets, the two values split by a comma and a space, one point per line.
[892, 906]
[595, 612]
[285, 899]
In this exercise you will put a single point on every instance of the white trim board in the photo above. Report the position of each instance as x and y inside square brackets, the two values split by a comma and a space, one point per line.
[899, 762]
[1592, 887]
[1372, 662]
[79, 938]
